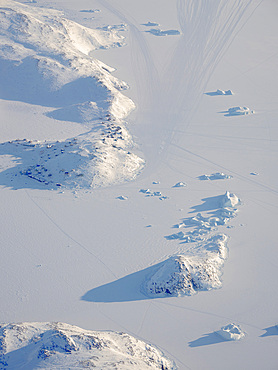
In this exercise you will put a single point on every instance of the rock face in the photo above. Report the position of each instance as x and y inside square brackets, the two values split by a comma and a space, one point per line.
[179, 185]
[231, 332]
[216, 176]
[201, 267]
[59, 345]
[229, 200]
[239, 111]
[186, 275]
[223, 92]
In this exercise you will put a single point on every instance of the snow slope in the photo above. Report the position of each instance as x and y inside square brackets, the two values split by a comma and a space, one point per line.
[201, 267]
[59, 345]
[85, 258]
[186, 275]
[46, 60]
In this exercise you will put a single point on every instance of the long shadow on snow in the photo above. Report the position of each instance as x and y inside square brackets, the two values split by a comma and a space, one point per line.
[228, 113]
[206, 340]
[270, 331]
[128, 288]
[212, 93]
[26, 83]
[48, 339]
[209, 204]
[216, 93]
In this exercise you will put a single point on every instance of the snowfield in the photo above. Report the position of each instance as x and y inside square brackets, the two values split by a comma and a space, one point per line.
[138, 178]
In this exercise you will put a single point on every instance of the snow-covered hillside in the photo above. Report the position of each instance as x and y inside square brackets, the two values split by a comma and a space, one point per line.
[62, 346]
[201, 267]
[47, 60]
[187, 274]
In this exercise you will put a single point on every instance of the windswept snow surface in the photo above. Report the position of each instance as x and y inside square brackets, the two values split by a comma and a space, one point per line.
[58, 345]
[91, 258]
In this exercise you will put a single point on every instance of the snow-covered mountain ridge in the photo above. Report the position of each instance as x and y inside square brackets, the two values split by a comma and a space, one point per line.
[47, 60]
[60, 346]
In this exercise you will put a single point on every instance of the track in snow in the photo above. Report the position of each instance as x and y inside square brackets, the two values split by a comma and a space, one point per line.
[168, 102]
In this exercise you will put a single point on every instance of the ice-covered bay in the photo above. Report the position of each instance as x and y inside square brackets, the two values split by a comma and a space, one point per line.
[57, 247]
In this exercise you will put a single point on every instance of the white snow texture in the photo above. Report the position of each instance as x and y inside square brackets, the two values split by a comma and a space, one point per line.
[48, 60]
[58, 345]
[201, 269]
[231, 332]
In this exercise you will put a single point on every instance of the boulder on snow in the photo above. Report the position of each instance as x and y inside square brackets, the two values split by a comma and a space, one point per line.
[239, 111]
[179, 185]
[183, 275]
[229, 200]
[231, 332]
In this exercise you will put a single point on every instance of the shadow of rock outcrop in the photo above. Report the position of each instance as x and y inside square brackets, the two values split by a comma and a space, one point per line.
[125, 289]
[206, 340]
[270, 331]
[26, 83]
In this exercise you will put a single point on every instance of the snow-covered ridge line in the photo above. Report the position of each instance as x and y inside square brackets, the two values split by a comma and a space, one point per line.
[51, 345]
[48, 60]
